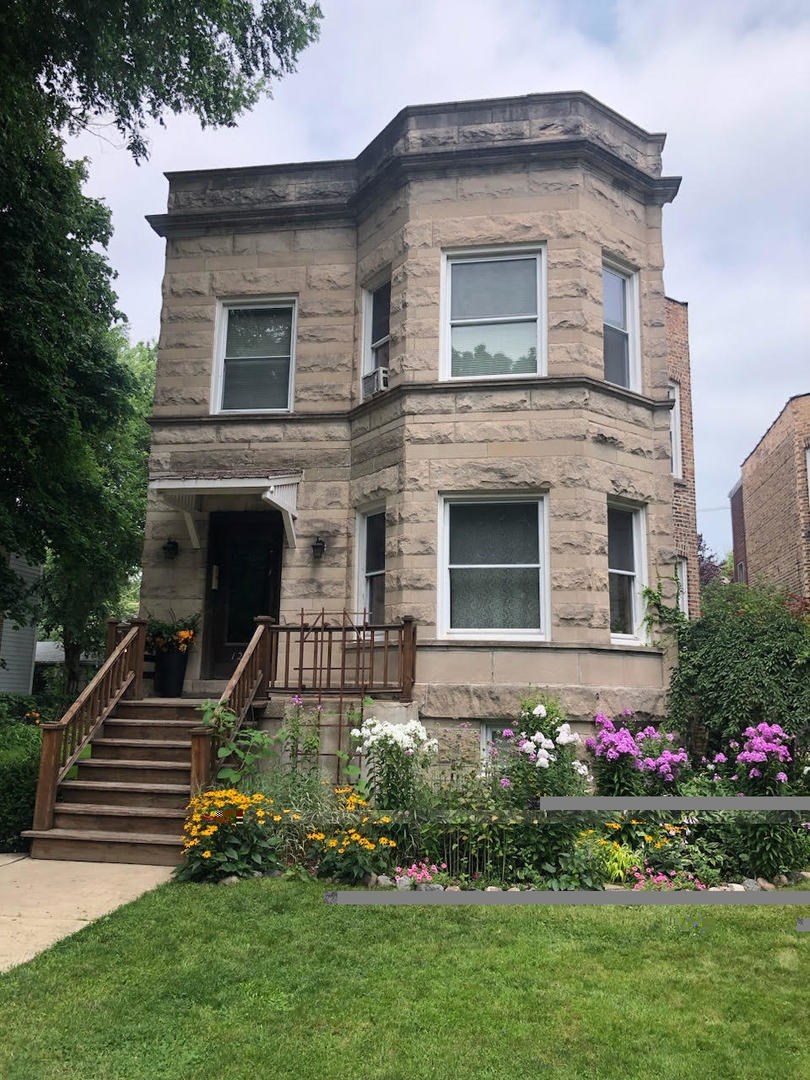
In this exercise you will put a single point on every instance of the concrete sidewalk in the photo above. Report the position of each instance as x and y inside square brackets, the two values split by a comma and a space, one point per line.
[42, 900]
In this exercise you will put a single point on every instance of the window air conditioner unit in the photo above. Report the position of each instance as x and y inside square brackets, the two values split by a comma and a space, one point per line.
[375, 382]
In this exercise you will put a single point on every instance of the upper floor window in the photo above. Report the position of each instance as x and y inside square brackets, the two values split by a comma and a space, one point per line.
[493, 325]
[625, 571]
[377, 327]
[675, 444]
[494, 568]
[619, 330]
[255, 354]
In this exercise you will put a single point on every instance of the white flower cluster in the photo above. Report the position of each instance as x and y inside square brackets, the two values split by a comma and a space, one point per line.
[565, 735]
[409, 737]
[539, 710]
[581, 769]
[537, 745]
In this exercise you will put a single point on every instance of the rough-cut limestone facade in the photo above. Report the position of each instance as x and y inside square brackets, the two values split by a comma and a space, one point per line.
[773, 534]
[558, 170]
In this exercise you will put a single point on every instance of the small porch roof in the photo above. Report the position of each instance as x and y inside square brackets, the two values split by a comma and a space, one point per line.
[184, 490]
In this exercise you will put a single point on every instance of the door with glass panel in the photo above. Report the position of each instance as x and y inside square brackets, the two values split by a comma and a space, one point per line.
[244, 578]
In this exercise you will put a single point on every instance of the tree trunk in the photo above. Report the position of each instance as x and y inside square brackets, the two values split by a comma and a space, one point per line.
[73, 667]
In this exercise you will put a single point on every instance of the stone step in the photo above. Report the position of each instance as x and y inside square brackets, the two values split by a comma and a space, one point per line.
[112, 749]
[129, 771]
[82, 845]
[120, 793]
[98, 817]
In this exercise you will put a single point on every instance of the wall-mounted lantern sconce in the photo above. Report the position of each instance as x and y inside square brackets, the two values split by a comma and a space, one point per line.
[318, 547]
[171, 549]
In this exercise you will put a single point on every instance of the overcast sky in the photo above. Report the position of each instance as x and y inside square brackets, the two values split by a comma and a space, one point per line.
[728, 80]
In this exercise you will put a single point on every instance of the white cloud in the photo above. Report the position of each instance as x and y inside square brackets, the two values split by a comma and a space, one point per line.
[728, 81]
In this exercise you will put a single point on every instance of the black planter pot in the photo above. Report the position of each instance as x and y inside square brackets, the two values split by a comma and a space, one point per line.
[170, 671]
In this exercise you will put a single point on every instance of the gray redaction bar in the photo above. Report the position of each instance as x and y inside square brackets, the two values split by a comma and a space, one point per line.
[673, 802]
[547, 897]
[803, 925]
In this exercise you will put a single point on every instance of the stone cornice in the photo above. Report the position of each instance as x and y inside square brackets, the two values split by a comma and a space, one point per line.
[559, 382]
[399, 168]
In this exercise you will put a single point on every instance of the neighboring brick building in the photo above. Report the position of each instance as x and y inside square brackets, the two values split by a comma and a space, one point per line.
[770, 504]
[451, 360]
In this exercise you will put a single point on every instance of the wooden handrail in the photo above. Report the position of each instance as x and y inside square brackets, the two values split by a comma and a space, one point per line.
[252, 671]
[250, 677]
[64, 741]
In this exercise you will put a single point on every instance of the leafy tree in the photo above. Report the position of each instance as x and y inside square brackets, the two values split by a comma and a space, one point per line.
[745, 660]
[63, 387]
[80, 592]
[709, 565]
[137, 61]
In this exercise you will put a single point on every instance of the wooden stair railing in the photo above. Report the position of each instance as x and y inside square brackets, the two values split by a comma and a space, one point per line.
[62, 742]
[251, 677]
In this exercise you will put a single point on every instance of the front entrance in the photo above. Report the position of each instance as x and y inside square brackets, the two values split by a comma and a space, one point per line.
[244, 579]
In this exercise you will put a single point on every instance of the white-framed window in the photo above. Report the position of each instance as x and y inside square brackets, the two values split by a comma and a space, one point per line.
[491, 734]
[493, 323]
[675, 437]
[255, 356]
[371, 563]
[620, 333]
[626, 571]
[682, 580]
[376, 327]
[493, 570]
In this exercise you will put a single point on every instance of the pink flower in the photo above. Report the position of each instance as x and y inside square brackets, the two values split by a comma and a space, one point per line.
[505, 782]
[781, 777]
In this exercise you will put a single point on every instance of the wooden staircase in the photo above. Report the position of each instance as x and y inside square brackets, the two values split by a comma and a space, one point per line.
[127, 801]
[117, 770]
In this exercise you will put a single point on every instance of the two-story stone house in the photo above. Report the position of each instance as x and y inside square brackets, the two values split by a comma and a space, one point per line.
[440, 380]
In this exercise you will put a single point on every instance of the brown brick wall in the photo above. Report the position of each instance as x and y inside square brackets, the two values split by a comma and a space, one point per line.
[738, 533]
[775, 501]
[684, 512]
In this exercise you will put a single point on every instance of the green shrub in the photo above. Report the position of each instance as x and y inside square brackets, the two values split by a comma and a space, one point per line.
[744, 661]
[19, 767]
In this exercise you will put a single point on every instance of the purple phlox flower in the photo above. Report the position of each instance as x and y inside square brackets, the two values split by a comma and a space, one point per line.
[627, 712]
[781, 777]
[297, 700]
[505, 782]
[754, 773]
[716, 778]
[720, 759]
[507, 733]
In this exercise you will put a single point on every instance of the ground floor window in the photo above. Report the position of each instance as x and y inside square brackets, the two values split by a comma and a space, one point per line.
[493, 567]
[372, 565]
[625, 570]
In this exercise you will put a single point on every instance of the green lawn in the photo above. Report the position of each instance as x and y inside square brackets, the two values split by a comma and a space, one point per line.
[261, 979]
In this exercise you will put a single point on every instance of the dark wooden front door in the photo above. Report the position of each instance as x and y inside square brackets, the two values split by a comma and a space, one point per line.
[244, 576]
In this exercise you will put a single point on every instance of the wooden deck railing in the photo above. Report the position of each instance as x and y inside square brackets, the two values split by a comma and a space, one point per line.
[347, 657]
[318, 656]
[62, 742]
